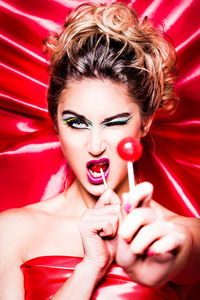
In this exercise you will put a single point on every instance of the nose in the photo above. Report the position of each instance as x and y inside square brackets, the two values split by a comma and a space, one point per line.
[96, 143]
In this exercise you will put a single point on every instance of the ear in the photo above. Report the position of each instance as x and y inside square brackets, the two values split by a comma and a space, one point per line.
[146, 125]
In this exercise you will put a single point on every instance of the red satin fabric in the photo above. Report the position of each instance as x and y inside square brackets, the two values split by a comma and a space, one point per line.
[43, 276]
[32, 167]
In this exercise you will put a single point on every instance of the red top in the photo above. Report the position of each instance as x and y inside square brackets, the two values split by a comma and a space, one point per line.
[44, 275]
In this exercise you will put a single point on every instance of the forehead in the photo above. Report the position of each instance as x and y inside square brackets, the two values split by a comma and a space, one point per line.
[96, 98]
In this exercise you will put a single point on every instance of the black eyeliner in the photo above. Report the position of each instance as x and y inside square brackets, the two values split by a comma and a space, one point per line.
[76, 115]
[119, 122]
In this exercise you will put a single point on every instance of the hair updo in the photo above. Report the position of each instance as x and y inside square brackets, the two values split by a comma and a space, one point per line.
[109, 42]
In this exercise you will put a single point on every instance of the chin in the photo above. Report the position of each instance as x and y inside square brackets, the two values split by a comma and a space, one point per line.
[96, 190]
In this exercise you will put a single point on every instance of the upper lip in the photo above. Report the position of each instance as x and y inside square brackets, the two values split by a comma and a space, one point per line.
[97, 161]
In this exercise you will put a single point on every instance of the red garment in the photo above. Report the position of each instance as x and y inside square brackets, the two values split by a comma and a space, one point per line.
[43, 276]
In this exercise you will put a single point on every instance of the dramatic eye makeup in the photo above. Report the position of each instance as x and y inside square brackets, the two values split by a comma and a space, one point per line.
[121, 119]
[77, 121]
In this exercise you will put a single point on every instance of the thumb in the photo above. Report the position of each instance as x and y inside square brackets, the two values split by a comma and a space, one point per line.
[107, 198]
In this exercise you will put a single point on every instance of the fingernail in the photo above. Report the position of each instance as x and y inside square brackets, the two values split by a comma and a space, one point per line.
[127, 207]
[150, 253]
[126, 203]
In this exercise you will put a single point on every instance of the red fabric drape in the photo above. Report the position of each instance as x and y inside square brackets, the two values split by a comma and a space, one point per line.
[32, 167]
[44, 275]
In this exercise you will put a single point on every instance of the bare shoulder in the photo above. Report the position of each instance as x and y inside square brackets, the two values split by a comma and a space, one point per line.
[20, 222]
[22, 219]
[19, 226]
[14, 219]
[14, 214]
[15, 225]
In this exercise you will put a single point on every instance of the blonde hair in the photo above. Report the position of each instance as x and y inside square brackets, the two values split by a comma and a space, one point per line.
[109, 41]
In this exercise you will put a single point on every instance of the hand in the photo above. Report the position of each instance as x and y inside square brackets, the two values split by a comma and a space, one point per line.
[98, 229]
[147, 243]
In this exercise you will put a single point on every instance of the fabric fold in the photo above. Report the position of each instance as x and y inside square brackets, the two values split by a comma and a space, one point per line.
[44, 275]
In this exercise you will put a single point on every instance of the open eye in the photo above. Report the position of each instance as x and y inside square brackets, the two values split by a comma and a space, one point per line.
[76, 123]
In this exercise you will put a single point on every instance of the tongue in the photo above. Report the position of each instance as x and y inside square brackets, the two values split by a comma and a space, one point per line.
[96, 168]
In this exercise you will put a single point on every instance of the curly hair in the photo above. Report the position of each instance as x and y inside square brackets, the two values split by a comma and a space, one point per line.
[109, 42]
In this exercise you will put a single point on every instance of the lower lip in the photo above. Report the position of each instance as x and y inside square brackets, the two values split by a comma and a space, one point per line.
[97, 180]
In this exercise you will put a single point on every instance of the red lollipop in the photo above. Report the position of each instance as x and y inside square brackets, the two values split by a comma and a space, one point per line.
[130, 149]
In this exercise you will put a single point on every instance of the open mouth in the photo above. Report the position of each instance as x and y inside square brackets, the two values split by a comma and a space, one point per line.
[94, 170]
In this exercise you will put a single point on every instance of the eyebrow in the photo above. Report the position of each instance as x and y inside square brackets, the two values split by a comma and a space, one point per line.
[70, 112]
[122, 115]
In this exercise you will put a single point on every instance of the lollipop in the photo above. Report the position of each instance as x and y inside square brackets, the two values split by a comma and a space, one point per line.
[130, 149]
[104, 179]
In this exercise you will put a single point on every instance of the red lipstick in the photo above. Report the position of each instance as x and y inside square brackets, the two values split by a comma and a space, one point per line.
[93, 170]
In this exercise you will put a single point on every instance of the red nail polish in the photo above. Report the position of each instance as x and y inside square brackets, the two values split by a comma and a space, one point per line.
[127, 207]
[150, 253]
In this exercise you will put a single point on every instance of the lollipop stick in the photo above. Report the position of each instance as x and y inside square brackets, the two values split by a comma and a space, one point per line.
[131, 178]
[104, 179]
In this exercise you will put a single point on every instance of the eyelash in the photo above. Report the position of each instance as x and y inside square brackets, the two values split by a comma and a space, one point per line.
[72, 120]
[114, 123]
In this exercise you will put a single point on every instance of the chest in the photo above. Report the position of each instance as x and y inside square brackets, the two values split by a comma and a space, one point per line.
[55, 236]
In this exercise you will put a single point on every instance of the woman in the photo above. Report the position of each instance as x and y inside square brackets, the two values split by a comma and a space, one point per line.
[108, 76]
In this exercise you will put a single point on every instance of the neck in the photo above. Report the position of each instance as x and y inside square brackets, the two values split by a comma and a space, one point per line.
[80, 199]
[88, 199]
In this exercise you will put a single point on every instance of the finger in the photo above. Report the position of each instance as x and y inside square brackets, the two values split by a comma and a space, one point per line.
[168, 243]
[109, 227]
[108, 197]
[94, 224]
[139, 198]
[134, 220]
[150, 233]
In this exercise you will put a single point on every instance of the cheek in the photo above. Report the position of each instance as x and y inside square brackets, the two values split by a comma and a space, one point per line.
[134, 130]
[113, 140]
[114, 137]
[70, 146]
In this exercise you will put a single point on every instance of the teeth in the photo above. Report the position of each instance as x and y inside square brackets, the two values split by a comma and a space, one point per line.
[95, 174]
